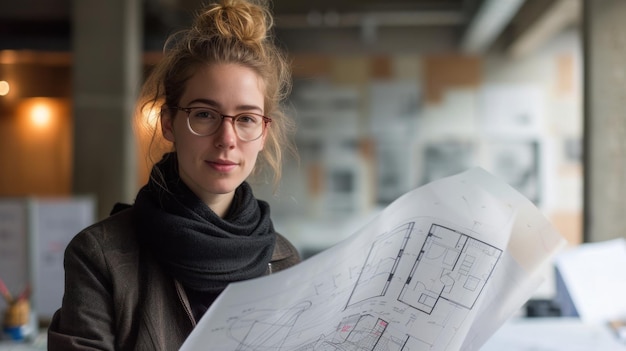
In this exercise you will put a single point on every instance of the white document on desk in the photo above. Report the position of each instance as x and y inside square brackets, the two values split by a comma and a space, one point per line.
[441, 268]
[595, 279]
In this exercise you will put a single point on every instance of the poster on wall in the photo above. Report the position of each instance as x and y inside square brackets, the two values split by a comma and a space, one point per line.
[393, 108]
[54, 222]
[445, 158]
[323, 110]
[393, 171]
[346, 189]
[517, 162]
[515, 109]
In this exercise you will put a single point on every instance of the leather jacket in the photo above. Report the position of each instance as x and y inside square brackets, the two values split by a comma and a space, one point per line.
[124, 300]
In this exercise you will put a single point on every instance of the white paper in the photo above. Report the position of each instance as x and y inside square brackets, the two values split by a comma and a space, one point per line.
[54, 221]
[441, 268]
[594, 276]
[514, 109]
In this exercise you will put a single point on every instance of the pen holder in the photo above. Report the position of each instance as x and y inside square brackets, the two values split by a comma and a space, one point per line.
[16, 319]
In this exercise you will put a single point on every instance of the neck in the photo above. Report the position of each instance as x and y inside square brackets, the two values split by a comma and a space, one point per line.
[219, 203]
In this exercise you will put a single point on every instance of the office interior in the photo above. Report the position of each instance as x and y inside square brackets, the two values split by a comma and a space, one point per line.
[387, 96]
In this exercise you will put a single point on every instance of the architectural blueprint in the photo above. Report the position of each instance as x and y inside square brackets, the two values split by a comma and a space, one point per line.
[441, 268]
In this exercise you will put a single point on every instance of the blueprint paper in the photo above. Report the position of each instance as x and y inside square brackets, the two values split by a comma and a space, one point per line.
[441, 268]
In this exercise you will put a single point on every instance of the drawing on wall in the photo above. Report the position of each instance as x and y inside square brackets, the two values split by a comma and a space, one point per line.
[511, 108]
[517, 162]
[326, 111]
[392, 171]
[445, 158]
[393, 108]
[572, 150]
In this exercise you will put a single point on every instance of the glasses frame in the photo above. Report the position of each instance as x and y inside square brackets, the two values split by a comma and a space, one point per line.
[187, 110]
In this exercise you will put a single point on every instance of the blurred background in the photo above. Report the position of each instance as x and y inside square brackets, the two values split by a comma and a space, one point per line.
[388, 95]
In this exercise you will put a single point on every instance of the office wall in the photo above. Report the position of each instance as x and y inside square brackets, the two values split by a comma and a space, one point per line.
[35, 127]
[373, 124]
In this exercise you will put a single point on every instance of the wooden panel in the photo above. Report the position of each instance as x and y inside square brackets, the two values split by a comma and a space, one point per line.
[36, 159]
[311, 66]
[350, 70]
[381, 68]
[444, 72]
[569, 224]
[565, 75]
[407, 67]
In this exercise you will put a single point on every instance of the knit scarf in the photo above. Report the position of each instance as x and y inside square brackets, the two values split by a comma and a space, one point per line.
[194, 245]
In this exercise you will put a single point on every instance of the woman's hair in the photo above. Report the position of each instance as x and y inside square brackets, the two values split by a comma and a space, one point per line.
[230, 31]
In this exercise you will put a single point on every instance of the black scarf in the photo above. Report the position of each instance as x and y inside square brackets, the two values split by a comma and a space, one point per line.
[195, 246]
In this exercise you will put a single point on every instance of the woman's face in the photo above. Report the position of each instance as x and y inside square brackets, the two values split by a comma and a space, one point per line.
[214, 166]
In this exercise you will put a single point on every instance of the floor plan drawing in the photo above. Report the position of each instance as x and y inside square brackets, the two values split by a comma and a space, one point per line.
[428, 274]
[414, 279]
[353, 333]
[451, 266]
[379, 268]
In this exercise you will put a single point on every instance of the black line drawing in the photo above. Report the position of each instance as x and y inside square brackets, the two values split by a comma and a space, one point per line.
[429, 274]
[260, 332]
[379, 267]
[451, 266]
[357, 332]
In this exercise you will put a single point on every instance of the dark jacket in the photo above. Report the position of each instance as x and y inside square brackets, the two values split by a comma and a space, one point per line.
[124, 300]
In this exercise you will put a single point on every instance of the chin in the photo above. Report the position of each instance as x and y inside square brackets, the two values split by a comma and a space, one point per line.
[221, 187]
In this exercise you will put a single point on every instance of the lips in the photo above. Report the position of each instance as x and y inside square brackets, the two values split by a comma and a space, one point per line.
[222, 165]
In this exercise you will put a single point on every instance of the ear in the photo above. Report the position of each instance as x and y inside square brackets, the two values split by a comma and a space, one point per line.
[167, 124]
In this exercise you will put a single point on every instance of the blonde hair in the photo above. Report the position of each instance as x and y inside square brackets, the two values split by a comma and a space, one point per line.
[230, 31]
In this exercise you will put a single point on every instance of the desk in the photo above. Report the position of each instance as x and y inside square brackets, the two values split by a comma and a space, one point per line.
[38, 344]
[553, 334]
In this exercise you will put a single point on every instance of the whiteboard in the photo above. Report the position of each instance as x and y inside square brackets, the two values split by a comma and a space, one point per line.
[53, 223]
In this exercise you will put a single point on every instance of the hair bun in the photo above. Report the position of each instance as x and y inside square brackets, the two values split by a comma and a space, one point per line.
[243, 20]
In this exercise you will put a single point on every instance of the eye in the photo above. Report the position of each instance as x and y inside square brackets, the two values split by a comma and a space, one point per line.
[203, 113]
[248, 119]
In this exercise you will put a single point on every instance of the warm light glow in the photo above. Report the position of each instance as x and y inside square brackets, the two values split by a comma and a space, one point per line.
[4, 87]
[151, 116]
[41, 118]
[40, 115]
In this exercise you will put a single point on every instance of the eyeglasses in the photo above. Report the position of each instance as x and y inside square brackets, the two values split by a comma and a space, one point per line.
[204, 121]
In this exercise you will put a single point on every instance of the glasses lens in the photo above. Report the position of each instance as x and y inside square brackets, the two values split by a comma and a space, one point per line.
[249, 126]
[204, 121]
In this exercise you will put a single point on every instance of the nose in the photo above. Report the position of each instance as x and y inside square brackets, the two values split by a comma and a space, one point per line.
[226, 136]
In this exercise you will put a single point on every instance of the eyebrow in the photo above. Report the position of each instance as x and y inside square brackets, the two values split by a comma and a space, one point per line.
[216, 105]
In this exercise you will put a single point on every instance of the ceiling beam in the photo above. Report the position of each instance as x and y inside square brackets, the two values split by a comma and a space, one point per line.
[490, 20]
[378, 18]
[561, 14]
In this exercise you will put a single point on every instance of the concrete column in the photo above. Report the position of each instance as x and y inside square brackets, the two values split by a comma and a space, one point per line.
[107, 50]
[604, 33]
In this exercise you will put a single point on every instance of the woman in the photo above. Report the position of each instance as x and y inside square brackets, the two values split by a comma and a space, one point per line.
[142, 278]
